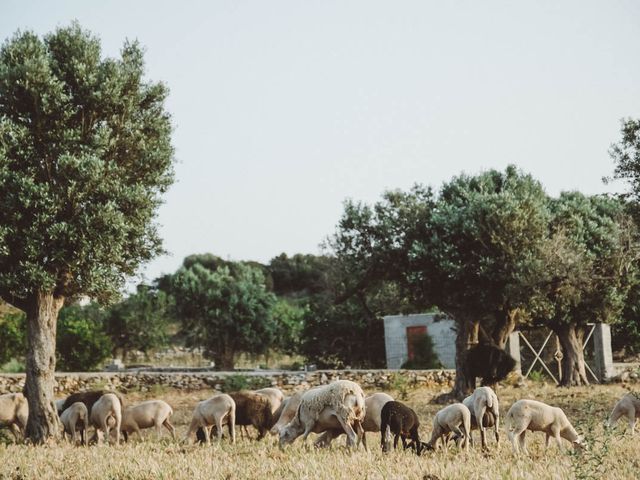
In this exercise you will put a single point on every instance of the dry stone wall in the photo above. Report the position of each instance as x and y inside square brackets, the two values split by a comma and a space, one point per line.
[288, 381]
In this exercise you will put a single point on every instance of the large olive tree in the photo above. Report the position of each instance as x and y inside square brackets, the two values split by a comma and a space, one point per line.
[85, 154]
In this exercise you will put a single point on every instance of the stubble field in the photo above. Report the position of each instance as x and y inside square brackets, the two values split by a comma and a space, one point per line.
[611, 455]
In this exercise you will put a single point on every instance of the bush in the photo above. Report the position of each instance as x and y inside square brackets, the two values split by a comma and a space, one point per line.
[13, 337]
[424, 357]
[235, 383]
[81, 344]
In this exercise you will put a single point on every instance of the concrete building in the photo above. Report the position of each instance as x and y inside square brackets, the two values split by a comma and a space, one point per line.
[399, 330]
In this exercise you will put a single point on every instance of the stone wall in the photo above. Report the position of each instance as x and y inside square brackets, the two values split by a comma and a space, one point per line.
[288, 381]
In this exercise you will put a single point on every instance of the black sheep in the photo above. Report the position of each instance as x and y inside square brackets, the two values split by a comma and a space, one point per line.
[403, 422]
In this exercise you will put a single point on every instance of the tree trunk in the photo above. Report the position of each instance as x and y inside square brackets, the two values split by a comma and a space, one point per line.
[466, 337]
[505, 325]
[225, 359]
[573, 370]
[42, 315]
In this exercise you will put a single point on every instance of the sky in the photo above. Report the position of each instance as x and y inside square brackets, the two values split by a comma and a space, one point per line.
[284, 109]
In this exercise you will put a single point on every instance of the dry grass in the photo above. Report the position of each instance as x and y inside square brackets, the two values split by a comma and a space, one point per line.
[611, 455]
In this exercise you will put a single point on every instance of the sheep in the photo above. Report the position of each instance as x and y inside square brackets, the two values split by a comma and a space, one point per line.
[372, 420]
[152, 413]
[275, 396]
[88, 398]
[106, 412]
[14, 411]
[402, 421]
[539, 417]
[218, 411]
[286, 412]
[337, 405]
[483, 404]
[628, 406]
[455, 418]
[75, 418]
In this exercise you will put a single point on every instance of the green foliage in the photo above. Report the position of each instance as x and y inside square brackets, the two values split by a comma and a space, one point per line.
[13, 338]
[626, 155]
[537, 376]
[81, 342]
[341, 335]
[85, 154]
[424, 355]
[289, 322]
[235, 383]
[13, 366]
[400, 383]
[225, 312]
[139, 322]
[300, 275]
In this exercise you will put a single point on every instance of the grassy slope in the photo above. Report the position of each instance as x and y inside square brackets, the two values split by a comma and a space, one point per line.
[612, 456]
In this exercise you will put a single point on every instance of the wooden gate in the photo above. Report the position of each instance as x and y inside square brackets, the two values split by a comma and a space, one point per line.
[549, 354]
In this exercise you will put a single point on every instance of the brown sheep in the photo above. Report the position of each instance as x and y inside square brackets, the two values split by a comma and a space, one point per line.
[251, 409]
[88, 398]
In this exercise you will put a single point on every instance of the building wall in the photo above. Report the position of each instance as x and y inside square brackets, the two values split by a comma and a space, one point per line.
[439, 328]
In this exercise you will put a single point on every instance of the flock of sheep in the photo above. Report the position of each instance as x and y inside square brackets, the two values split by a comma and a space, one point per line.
[330, 410]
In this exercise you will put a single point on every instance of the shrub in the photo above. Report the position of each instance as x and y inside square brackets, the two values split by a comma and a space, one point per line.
[424, 356]
[234, 383]
[82, 344]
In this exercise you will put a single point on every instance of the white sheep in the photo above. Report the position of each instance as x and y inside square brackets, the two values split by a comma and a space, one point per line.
[275, 396]
[74, 419]
[483, 404]
[216, 411]
[106, 413]
[14, 411]
[152, 413]
[371, 423]
[629, 407]
[288, 410]
[539, 417]
[337, 405]
[456, 419]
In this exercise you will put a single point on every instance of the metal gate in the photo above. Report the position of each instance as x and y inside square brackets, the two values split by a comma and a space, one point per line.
[549, 354]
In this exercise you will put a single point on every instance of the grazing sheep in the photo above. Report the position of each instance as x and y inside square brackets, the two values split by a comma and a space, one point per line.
[14, 411]
[372, 420]
[286, 412]
[253, 409]
[337, 405]
[275, 396]
[74, 419]
[216, 411]
[539, 417]
[152, 413]
[483, 404]
[105, 414]
[88, 398]
[402, 421]
[454, 419]
[629, 407]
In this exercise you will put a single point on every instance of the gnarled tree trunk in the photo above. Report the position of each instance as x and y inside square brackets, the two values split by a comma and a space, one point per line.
[573, 369]
[42, 315]
[505, 325]
[466, 337]
[225, 359]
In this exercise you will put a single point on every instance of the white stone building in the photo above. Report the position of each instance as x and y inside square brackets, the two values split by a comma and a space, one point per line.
[399, 330]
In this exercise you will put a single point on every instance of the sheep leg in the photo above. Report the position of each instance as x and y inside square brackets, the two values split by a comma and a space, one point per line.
[547, 440]
[231, 422]
[385, 437]
[462, 438]
[348, 429]
[17, 433]
[83, 436]
[171, 428]
[523, 444]
[497, 432]
[218, 422]
[556, 434]
[514, 436]
[480, 421]
[139, 432]
[631, 417]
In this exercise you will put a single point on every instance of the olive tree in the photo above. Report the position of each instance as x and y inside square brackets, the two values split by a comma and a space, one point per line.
[85, 154]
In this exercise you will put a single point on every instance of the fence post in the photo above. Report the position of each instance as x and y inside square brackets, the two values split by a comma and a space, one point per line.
[602, 351]
[513, 349]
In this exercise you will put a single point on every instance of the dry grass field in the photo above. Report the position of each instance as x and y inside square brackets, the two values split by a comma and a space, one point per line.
[611, 455]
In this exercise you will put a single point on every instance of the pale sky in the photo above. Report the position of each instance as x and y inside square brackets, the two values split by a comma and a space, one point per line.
[283, 109]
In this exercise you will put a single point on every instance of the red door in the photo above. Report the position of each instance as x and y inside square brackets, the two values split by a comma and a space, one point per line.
[412, 334]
